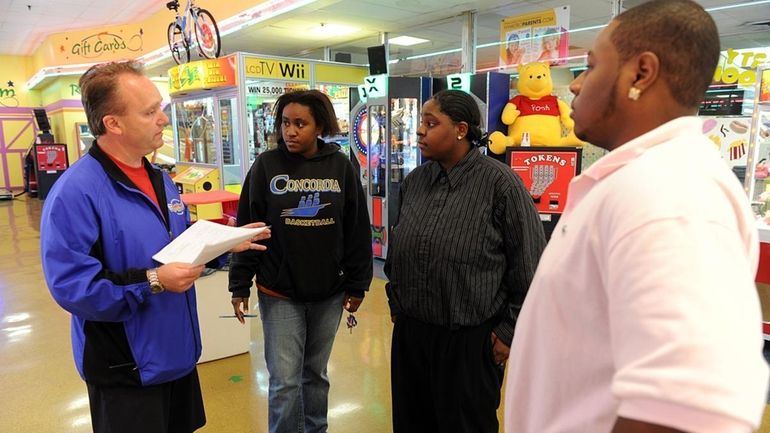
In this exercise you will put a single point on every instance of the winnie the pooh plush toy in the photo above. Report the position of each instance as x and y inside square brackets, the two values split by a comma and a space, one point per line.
[535, 111]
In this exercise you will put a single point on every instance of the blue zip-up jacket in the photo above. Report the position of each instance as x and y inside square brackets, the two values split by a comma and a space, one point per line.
[98, 233]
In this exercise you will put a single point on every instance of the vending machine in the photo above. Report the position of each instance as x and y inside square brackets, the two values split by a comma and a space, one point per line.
[385, 115]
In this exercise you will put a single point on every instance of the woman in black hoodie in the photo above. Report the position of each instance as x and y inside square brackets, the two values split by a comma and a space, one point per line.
[318, 261]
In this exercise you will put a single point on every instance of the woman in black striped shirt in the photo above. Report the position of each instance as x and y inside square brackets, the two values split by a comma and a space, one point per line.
[461, 257]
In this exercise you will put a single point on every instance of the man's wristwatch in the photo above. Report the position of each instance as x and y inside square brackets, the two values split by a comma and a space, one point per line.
[155, 285]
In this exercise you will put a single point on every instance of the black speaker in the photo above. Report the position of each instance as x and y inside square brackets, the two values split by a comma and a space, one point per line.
[342, 57]
[378, 63]
[42, 120]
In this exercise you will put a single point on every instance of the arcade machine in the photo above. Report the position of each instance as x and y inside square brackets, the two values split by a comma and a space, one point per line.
[384, 144]
[46, 160]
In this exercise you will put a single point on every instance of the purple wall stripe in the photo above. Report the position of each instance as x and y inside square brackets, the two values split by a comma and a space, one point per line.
[16, 110]
[65, 103]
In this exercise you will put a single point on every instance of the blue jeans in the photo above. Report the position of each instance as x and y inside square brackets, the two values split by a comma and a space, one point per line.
[298, 342]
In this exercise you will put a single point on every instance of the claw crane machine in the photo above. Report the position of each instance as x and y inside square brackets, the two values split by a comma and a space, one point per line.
[222, 111]
[204, 118]
[265, 78]
[385, 116]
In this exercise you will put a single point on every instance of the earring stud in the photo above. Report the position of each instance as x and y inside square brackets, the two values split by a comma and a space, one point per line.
[634, 93]
[459, 137]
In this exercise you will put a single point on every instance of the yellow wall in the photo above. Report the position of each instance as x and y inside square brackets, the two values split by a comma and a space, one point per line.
[16, 70]
[62, 88]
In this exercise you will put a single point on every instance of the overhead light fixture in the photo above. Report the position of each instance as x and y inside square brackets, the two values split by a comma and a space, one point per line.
[331, 30]
[407, 41]
[737, 5]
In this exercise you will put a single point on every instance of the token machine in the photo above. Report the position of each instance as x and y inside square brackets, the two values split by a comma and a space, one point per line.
[46, 160]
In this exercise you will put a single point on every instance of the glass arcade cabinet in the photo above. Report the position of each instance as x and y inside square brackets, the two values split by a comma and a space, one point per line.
[384, 145]
[205, 119]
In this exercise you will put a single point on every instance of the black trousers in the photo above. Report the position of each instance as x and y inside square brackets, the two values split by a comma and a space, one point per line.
[172, 407]
[443, 380]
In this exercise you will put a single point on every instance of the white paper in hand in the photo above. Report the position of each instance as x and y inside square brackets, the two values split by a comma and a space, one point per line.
[203, 242]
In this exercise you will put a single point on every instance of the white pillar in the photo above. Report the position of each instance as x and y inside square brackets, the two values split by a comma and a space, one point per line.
[469, 42]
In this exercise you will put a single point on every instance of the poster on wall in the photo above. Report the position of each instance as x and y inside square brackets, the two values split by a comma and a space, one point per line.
[535, 37]
[730, 135]
[546, 173]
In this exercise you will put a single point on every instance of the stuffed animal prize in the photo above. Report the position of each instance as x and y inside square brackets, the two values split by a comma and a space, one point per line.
[536, 112]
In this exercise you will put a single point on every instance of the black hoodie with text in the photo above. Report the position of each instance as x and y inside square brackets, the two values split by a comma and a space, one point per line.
[321, 236]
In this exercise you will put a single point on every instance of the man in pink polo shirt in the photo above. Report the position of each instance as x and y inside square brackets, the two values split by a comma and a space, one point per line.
[643, 315]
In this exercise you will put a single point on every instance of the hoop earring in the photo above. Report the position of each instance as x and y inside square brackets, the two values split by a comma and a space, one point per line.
[634, 93]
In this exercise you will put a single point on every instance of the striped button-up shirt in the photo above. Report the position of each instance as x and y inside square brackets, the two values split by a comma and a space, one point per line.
[465, 246]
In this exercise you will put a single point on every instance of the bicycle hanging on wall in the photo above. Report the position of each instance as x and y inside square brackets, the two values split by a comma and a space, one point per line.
[180, 33]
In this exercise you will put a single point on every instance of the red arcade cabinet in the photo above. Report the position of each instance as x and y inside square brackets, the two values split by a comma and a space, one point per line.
[546, 172]
[50, 161]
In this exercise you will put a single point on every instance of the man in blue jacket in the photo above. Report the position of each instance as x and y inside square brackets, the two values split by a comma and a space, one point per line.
[135, 334]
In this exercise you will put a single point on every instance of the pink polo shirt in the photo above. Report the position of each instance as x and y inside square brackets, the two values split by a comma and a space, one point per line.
[644, 304]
